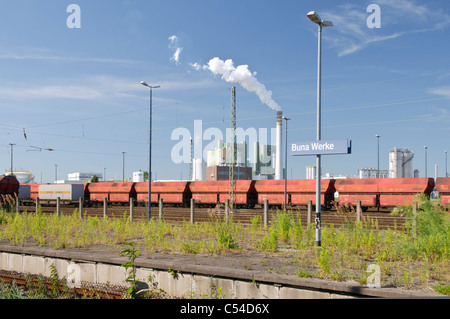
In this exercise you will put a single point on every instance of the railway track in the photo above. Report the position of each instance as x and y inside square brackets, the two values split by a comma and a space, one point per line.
[177, 215]
[60, 287]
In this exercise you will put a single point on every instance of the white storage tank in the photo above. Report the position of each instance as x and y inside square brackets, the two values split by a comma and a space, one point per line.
[138, 177]
[71, 192]
[401, 163]
[197, 174]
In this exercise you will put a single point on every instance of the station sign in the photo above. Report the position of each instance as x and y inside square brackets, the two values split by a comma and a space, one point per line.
[321, 147]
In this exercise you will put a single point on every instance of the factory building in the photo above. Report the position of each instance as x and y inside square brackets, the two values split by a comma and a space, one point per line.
[222, 154]
[220, 159]
[311, 172]
[221, 173]
[82, 177]
[263, 161]
[372, 173]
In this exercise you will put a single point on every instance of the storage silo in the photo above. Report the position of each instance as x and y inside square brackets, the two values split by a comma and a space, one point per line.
[197, 169]
[138, 177]
[400, 163]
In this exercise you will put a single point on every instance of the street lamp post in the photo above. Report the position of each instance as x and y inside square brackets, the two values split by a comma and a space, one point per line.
[285, 163]
[150, 150]
[426, 148]
[314, 17]
[378, 155]
[446, 164]
[123, 166]
[11, 144]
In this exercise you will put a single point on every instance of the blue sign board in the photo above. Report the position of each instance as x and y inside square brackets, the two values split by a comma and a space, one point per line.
[321, 147]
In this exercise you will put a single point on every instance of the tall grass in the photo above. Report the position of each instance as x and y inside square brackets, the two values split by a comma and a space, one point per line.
[421, 254]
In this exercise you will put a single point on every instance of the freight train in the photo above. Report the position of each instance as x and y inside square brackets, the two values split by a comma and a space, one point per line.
[382, 192]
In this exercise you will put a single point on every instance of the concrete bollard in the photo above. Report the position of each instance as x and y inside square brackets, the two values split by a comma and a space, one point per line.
[105, 207]
[358, 211]
[266, 213]
[17, 205]
[192, 211]
[131, 209]
[161, 204]
[227, 209]
[414, 221]
[58, 207]
[80, 207]
[309, 214]
[37, 205]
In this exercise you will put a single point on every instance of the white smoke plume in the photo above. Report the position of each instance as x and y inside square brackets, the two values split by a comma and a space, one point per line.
[175, 47]
[241, 75]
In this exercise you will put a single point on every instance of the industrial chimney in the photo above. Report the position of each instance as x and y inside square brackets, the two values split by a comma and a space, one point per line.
[278, 167]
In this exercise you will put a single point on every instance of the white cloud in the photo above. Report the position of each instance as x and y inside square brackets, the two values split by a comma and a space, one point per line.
[444, 91]
[86, 88]
[8, 55]
[175, 47]
[398, 18]
[196, 66]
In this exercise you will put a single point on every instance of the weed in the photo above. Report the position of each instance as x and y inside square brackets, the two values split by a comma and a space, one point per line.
[270, 241]
[442, 289]
[225, 236]
[132, 253]
[283, 224]
[174, 273]
[344, 253]
[302, 273]
[324, 260]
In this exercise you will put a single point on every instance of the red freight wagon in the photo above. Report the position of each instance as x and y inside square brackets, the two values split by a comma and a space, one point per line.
[177, 193]
[443, 187]
[298, 191]
[272, 190]
[401, 191]
[9, 185]
[215, 192]
[384, 192]
[113, 192]
[304, 190]
[352, 190]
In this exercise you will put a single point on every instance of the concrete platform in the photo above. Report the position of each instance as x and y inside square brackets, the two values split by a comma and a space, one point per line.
[239, 275]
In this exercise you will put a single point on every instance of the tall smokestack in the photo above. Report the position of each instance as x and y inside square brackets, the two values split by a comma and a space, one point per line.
[278, 167]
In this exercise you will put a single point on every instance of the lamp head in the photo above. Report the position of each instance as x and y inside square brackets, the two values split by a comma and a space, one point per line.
[314, 17]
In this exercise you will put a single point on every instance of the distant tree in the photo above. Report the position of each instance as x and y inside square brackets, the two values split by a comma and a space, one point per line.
[145, 176]
[94, 179]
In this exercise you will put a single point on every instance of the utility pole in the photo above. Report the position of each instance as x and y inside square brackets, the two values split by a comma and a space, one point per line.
[123, 166]
[231, 176]
[191, 166]
[11, 144]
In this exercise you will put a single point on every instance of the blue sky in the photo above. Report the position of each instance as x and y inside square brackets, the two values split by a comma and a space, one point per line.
[77, 90]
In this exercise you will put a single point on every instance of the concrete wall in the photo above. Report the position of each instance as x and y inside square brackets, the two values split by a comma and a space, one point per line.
[173, 283]
[190, 280]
